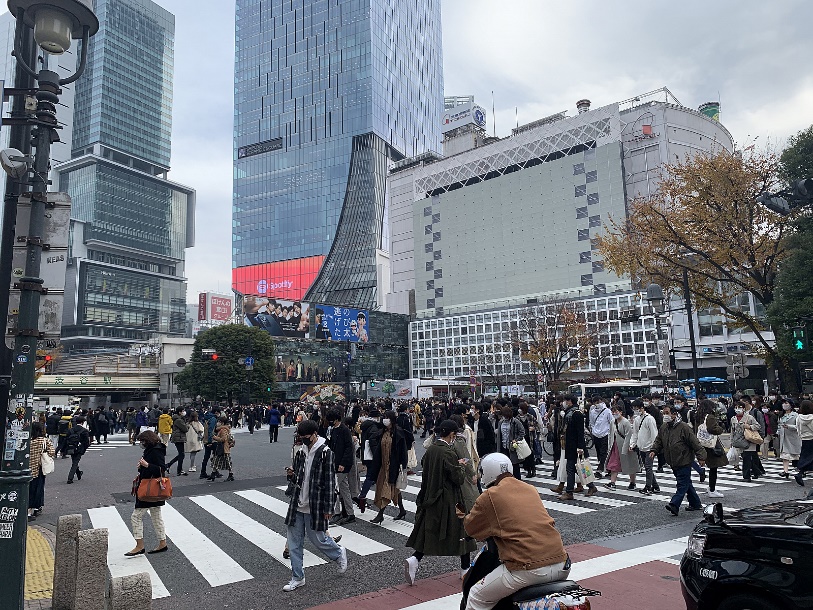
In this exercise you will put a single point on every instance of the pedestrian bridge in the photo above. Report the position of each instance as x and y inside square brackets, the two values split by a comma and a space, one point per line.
[96, 383]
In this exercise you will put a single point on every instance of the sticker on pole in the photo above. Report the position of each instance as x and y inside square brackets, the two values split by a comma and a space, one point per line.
[22, 359]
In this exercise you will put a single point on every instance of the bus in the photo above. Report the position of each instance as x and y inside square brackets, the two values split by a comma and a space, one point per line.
[712, 387]
[628, 388]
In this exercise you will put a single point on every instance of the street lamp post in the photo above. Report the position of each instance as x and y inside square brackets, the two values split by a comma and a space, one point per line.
[55, 23]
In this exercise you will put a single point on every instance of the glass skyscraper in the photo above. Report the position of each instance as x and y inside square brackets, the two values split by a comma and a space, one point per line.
[130, 226]
[327, 93]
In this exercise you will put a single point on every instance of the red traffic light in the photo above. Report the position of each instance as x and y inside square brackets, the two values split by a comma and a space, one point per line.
[214, 356]
[48, 358]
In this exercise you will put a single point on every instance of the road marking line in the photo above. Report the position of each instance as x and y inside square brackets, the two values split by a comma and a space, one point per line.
[213, 563]
[119, 542]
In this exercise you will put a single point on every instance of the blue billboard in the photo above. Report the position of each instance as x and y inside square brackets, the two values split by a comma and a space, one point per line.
[341, 324]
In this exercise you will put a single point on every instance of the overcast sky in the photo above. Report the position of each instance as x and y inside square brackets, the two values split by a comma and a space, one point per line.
[538, 57]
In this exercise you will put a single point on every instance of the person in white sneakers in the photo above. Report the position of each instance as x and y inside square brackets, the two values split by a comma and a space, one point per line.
[312, 492]
[705, 424]
[644, 432]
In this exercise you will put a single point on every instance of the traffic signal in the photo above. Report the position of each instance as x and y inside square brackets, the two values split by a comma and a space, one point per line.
[49, 359]
[799, 339]
[210, 355]
[372, 384]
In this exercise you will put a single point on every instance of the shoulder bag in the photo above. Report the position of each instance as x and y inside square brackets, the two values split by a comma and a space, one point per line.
[706, 438]
[46, 463]
[402, 481]
[752, 436]
[154, 490]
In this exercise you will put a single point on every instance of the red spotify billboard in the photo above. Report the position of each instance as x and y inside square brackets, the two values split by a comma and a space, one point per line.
[284, 279]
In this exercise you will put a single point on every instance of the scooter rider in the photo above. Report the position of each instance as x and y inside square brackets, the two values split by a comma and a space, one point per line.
[511, 513]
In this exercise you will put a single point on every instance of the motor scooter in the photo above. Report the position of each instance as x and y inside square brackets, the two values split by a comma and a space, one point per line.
[558, 595]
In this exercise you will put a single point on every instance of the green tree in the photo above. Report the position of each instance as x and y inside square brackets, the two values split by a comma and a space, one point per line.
[797, 159]
[226, 377]
[388, 388]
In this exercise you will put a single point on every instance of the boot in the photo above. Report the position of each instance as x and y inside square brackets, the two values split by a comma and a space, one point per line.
[402, 512]
[379, 518]
[204, 475]
[558, 489]
[579, 489]
[566, 497]
[230, 477]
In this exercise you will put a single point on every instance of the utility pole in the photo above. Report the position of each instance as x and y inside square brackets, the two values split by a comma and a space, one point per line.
[687, 297]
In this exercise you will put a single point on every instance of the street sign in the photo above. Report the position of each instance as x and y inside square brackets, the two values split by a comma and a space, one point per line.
[737, 370]
[735, 359]
[664, 363]
[241, 361]
[540, 377]
[249, 360]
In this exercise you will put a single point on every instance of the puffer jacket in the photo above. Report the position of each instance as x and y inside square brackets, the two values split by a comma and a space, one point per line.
[165, 424]
[179, 430]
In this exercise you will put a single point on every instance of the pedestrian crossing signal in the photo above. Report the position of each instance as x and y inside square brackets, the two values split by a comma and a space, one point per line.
[800, 339]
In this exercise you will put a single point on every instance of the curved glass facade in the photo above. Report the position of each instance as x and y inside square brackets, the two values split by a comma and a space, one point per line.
[316, 81]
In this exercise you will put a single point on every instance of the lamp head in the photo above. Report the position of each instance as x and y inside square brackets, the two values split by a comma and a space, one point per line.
[654, 295]
[57, 22]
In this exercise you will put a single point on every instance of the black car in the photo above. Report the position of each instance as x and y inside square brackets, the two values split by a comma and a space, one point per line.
[758, 558]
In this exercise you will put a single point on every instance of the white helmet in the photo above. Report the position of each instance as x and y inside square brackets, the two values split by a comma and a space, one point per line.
[492, 466]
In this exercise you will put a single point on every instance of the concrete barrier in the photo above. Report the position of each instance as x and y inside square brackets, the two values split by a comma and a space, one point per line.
[66, 554]
[131, 592]
[91, 570]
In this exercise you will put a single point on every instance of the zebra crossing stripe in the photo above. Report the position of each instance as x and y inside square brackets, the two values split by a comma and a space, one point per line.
[119, 542]
[253, 531]
[213, 563]
[592, 499]
[351, 540]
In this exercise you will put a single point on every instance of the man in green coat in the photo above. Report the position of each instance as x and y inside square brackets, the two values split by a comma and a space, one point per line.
[438, 520]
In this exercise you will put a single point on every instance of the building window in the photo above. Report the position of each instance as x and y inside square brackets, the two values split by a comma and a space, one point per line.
[585, 257]
[578, 168]
[584, 234]
[430, 265]
[592, 176]
[581, 213]
[590, 153]
[430, 303]
[427, 211]
[437, 256]
[436, 217]
[592, 199]
[587, 279]
[438, 292]
[594, 243]
[438, 274]
[428, 247]
[581, 190]
[430, 285]
[595, 221]
[436, 236]
[427, 230]
[598, 266]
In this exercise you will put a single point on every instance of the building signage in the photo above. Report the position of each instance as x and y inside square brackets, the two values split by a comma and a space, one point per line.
[342, 324]
[277, 317]
[464, 114]
[110, 383]
[215, 307]
[289, 279]
[259, 148]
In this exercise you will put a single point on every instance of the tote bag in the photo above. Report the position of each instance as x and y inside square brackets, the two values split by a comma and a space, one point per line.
[46, 464]
[706, 438]
[522, 449]
[402, 481]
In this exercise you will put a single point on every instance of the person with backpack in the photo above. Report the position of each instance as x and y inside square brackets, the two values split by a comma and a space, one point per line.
[64, 426]
[76, 444]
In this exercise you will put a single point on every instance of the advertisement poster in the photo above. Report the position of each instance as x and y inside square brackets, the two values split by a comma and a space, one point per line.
[341, 324]
[277, 317]
[390, 388]
[214, 307]
[306, 369]
[323, 393]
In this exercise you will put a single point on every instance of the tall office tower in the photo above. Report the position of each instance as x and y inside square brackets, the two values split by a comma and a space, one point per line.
[327, 93]
[130, 225]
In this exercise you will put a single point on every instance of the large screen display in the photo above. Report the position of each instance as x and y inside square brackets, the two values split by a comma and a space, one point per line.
[288, 280]
[341, 324]
[277, 317]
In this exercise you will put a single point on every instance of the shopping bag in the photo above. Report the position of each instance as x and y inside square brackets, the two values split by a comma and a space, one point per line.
[706, 438]
[46, 464]
[368, 451]
[402, 481]
[585, 471]
[733, 455]
[412, 458]
[522, 449]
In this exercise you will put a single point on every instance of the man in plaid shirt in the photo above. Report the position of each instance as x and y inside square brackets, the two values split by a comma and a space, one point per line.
[312, 491]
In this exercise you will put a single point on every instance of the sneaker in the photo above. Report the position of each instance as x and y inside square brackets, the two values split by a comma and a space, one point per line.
[631, 487]
[694, 508]
[645, 492]
[192, 469]
[610, 485]
[293, 585]
[672, 509]
[286, 554]
[798, 478]
[716, 494]
[342, 561]
[411, 565]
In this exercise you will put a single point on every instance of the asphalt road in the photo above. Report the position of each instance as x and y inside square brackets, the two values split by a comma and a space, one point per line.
[225, 538]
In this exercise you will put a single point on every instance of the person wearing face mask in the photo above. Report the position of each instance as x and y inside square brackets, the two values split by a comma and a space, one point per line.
[370, 433]
[571, 439]
[769, 422]
[680, 446]
[704, 419]
[341, 444]
[747, 450]
[644, 432]
[389, 457]
[755, 411]
[621, 457]
[484, 431]
[790, 444]
[178, 438]
[804, 424]
[312, 491]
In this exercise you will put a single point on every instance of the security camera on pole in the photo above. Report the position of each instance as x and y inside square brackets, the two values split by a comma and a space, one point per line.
[55, 24]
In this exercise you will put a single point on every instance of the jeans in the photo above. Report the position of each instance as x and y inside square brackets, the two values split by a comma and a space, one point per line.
[343, 487]
[365, 487]
[207, 453]
[501, 582]
[178, 458]
[273, 433]
[296, 543]
[74, 465]
[601, 443]
[649, 468]
[683, 475]
[697, 468]
[748, 466]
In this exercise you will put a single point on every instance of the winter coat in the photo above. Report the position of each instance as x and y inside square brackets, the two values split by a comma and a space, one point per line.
[713, 426]
[398, 455]
[438, 530]
[486, 439]
[37, 448]
[678, 444]
[370, 429]
[804, 424]
[341, 444]
[738, 427]
[789, 440]
[179, 430]
[621, 435]
[194, 436]
[469, 486]
[222, 434]
[274, 417]
[572, 432]
[141, 419]
[52, 424]
[102, 423]
[165, 424]
[156, 457]
[78, 441]
[321, 488]
[515, 432]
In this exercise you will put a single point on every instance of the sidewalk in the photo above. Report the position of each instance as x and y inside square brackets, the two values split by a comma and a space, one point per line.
[39, 568]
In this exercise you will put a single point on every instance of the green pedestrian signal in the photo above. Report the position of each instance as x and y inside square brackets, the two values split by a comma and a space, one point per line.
[800, 339]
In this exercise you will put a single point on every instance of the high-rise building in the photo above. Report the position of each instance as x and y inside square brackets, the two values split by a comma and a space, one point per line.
[327, 94]
[130, 225]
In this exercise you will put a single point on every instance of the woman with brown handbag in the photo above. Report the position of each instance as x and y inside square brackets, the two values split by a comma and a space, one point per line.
[151, 466]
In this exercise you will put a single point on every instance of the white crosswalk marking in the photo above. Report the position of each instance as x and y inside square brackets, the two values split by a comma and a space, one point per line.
[213, 563]
[120, 541]
[253, 531]
[352, 541]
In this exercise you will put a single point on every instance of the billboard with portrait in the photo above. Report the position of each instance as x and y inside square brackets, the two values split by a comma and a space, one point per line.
[341, 324]
[277, 317]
